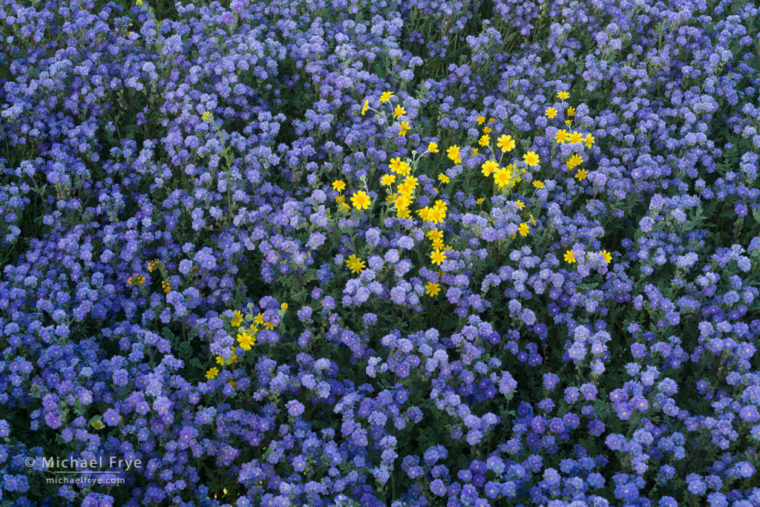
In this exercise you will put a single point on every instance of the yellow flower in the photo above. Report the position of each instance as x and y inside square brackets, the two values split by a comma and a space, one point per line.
[437, 244]
[550, 112]
[387, 180]
[386, 96]
[246, 340]
[480, 201]
[269, 326]
[136, 279]
[432, 289]
[399, 111]
[506, 143]
[433, 148]
[443, 178]
[568, 122]
[484, 140]
[474, 152]
[489, 167]
[259, 319]
[562, 136]
[403, 213]
[531, 159]
[576, 137]
[487, 130]
[98, 425]
[453, 154]
[284, 306]
[491, 120]
[504, 178]
[403, 128]
[212, 373]
[523, 229]
[574, 161]
[481, 120]
[607, 256]
[365, 106]
[360, 200]
[437, 257]
[410, 182]
[139, 4]
[538, 184]
[571, 111]
[340, 198]
[520, 205]
[237, 320]
[569, 256]
[355, 264]
[339, 185]
[563, 95]
[589, 140]
[434, 234]
[207, 116]
[166, 286]
[403, 201]
[581, 174]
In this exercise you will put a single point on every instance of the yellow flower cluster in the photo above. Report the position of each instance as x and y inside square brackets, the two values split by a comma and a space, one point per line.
[136, 279]
[434, 214]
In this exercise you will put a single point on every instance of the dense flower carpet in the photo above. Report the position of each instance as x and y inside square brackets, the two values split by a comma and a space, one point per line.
[380, 253]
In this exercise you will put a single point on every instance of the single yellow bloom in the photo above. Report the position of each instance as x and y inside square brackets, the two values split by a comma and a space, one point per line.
[506, 143]
[139, 3]
[550, 112]
[523, 229]
[237, 320]
[581, 174]
[399, 111]
[531, 159]
[212, 373]
[443, 178]
[365, 106]
[355, 264]
[437, 257]
[474, 152]
[563, 95]
[433, 148]
[98, 425]
[403, 128]
[576, 137]
[574, 161]
[340, 198]
[480, 201]
[607, 256]
[387, 180]
[339, 185]
[453, 154]
[487, 130]
[434, 234]
[538, 184]
[562, 136]
[569, 256]
[571, 111]
[284, 306]
[246, 340]
[484, 140]
[360, 200]
[481, 120]
[207, 116]
[386, 96]
[520, 205]
[491, 120]
[432, 289]
[589, 140]
[489, 167]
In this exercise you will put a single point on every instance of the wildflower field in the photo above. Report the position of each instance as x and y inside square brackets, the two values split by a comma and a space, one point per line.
[380, 253]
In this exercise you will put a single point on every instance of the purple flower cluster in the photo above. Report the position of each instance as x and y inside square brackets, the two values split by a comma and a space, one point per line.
[388, 253]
